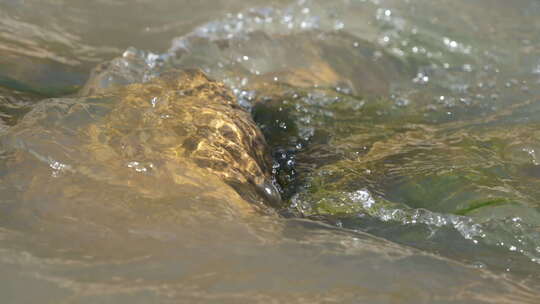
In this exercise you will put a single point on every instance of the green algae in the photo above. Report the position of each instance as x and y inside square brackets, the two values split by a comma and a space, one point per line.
[406, 157]
[473, 206]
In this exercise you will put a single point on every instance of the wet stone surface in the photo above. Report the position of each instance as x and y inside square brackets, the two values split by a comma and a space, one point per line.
[181, 131]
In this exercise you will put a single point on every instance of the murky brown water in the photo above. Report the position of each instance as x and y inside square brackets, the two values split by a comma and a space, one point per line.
[410, 129]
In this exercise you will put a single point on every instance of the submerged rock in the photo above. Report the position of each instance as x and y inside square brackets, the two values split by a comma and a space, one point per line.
[362, 163]
[178, 142]
[453, 168]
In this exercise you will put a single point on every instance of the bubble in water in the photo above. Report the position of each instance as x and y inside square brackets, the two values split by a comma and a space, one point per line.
[140, 167]
[362, 197]
[479, 265]
[402, 102]
[58, 168]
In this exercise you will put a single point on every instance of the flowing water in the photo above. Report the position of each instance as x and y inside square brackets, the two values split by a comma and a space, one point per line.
[405, 137]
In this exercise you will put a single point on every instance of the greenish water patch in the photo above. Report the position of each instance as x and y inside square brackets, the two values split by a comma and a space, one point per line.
[473, 206]
[43, 91]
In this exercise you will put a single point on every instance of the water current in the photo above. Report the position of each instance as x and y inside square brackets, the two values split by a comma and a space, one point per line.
[405, 138]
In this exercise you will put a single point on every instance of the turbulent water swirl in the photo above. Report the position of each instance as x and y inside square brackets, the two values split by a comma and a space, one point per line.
[390, 88]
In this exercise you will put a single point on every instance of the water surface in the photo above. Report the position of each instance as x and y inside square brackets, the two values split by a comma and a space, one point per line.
[405, 137]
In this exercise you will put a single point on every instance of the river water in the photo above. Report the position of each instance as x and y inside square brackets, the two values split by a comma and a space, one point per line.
[405, 136]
